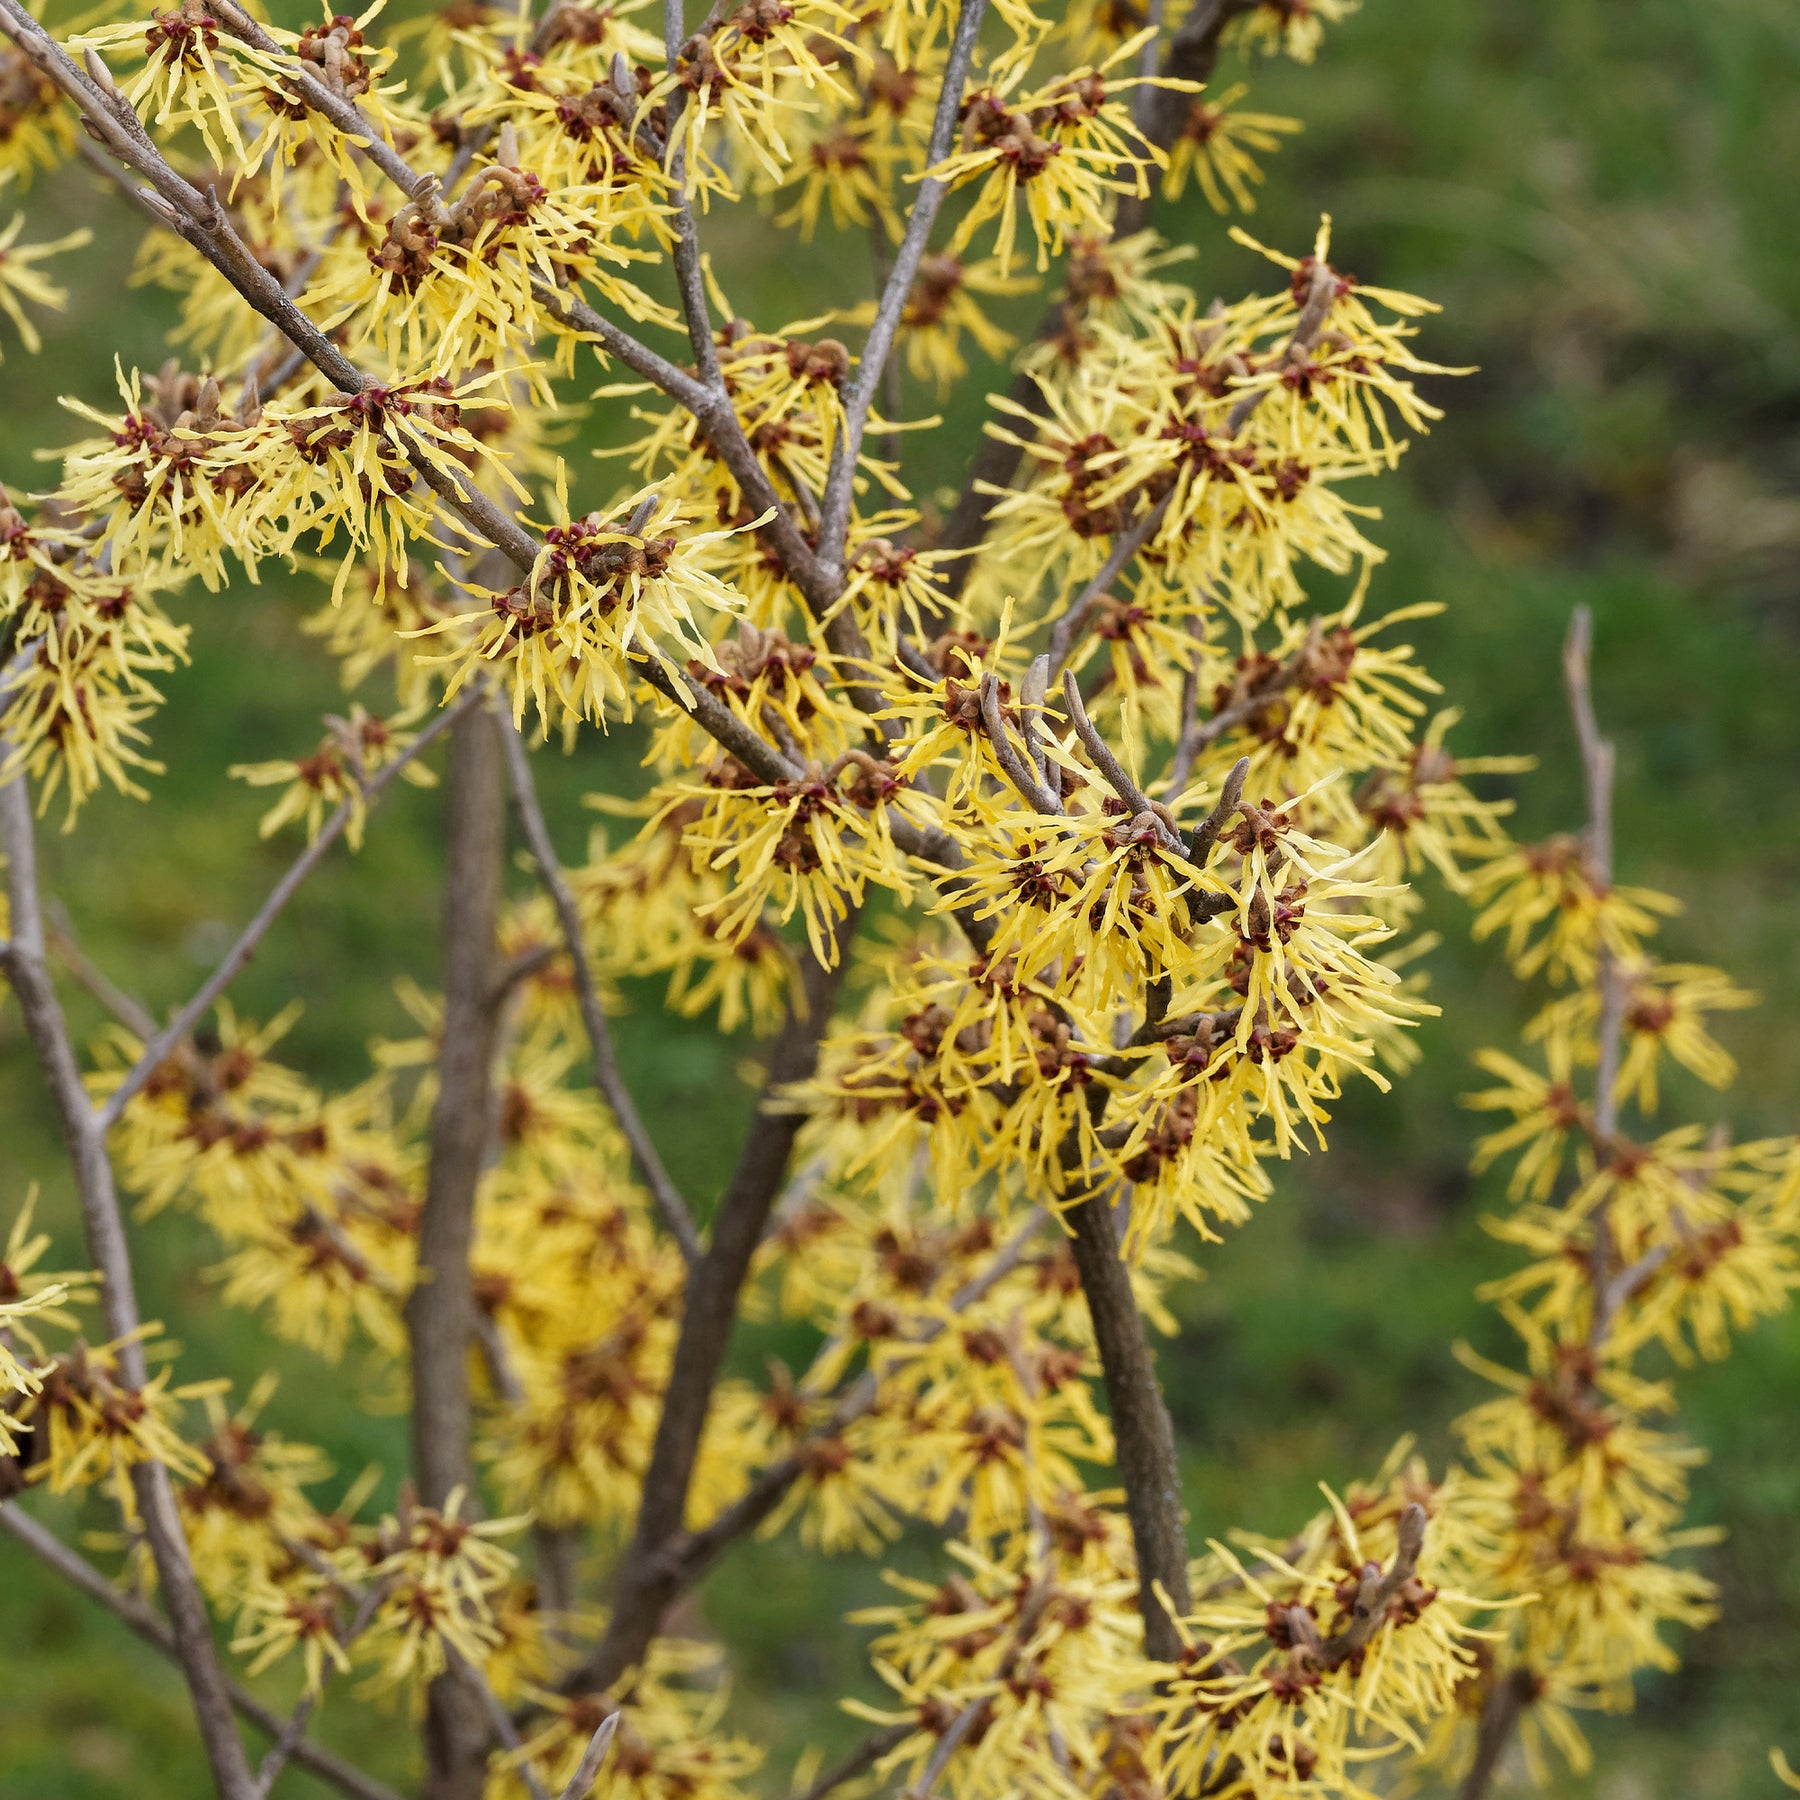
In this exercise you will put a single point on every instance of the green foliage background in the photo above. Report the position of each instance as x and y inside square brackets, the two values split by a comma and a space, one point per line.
[1603, 197]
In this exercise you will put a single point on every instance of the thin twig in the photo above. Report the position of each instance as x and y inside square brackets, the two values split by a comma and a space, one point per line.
[499, 1719]
[1597, 756]
[892, 376]
[1506, 1702]
[690, 282]
[1199, 733]
[1611, 1287]
[608, 1077]
[1187, 746]
[142, 1622]
[521, 969]
[1597, 764]
[122, 1006]
[1020, 771]
[835, 507]
[1204, 835]
[1314, 311]
[1072, 625]
[948, 1745]
[866, 1754]
[1032, 693]
[1368, 1611]
[151, 1058]
[27, 968]
[1144, 101]
[288, 1740]
[1113, 771]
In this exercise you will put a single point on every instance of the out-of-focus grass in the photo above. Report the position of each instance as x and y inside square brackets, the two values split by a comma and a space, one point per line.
[1602, 198]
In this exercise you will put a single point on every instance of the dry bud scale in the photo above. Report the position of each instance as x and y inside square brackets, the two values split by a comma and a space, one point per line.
[1061, 861]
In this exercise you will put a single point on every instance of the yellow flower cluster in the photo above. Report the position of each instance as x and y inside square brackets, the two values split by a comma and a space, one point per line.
[1634, 1239]
[1054, 845]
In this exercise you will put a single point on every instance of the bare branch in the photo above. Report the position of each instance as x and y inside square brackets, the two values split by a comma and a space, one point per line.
[1032, 693]
[523, 966]
[1197, 734]
[1024, 775]
[689, 281]
[948, 1745]
[28, 969]
[499, 1719]
[1193, 52]
[1626, 1285]
[1506, 1703]
[1597, 765]
[1186, 746]
[156, 1051]
[140, 1620]
[1072, 625]
[1597, 756]
[122, 1006]
[608, 1077]
[1113, 771]
[866, 1754]
[441, 1311]
[1148, 1465]
[1611, 1286]
[289, 1739]
[1204, 835]
[834, 520]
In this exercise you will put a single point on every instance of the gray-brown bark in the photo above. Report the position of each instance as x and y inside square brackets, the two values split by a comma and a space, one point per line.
[28, 970]
[1145, 1439]
[651, 1574]
[440, 1314]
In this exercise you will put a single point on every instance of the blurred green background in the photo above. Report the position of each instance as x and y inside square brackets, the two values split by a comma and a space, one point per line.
[1603, 198]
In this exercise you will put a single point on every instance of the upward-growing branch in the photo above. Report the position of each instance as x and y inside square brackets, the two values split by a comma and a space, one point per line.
[1514, 1690]
[27, 968]
[648, 1578]
[441, 1312]
[607, 1075]
[834, 508]
[1148, 1464]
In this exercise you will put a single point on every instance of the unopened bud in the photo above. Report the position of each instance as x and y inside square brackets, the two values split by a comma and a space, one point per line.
[154, 202]
[100, 75]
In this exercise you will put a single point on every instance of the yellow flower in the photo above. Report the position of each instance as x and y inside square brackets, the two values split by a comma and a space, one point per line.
[352, 751]
[21, 281]
[1294, 28]
[1218, 146]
